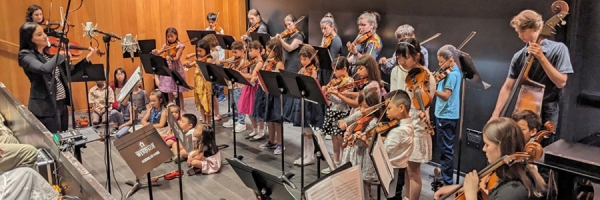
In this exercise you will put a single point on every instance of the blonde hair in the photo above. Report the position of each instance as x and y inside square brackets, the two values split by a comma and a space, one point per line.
[527, 19]
[371, 17]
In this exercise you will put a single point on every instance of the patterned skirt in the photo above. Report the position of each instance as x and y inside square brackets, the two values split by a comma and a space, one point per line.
[422, 151]
[331, 118]
[167, 84]
[202, 96]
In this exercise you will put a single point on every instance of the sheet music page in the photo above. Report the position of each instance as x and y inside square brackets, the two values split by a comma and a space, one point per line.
[382, 164]
[132, 82]
[345, 185]
[324, 151]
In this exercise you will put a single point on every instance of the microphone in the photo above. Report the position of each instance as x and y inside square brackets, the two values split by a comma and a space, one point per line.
[130, 45]
[90, 31]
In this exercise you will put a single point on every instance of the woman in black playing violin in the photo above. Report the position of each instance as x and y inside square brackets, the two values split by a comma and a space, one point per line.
[49, 93]
[254, 19]
[501, 137]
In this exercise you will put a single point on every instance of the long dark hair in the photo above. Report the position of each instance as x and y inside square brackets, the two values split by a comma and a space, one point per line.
[115, 81]
[308, 51]
[275, 46]
[371, 65]
[25, 35]
[372, 98]
[412, 47]
[30, 10]
[208, 140]
[203, 44]
[506, 133]
[174, 31]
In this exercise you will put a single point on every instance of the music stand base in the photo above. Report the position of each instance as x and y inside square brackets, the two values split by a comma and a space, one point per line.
[136, 186]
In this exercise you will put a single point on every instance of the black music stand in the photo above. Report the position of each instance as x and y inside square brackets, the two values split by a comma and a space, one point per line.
[180, 135]
[198, 34]
[307, 89]
[235, 77]
[94, 72]
[140, 159]
[146, 47]
[378, 156]
[263, 38]
[225, 41]
[214, 74]
[264, 185]
[325, 63]
[272, 83]
[179, 81]
[468, 71]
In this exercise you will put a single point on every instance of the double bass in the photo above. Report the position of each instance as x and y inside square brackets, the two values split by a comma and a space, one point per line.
[530, 93]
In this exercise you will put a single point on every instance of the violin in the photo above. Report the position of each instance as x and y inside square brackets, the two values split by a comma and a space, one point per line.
[217, 28]
[361, 38]
[353, 84]
[74, 48]
[170, 49]
[248, 64]
[168, 176]
[252, 28]
[326, 41]
[288, 32]
[444, 70]
[381, 128]
[417, 82]
[509, 160]
[530, 93]
[270, 65]
[360, 125]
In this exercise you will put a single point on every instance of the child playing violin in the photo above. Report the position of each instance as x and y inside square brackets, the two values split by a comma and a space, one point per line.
[267, 106]
[409, 58]
[313, 116]
[369, 75]
[338, 109]
[248, 95]
[358, 154]
[502, 137]
[202, 88]
[172, 51]
[399, 140]
[238, 64]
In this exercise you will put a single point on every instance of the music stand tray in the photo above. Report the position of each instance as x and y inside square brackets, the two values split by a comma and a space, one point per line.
[212, 73]
[198, 34]
[94, 72]
[271, 82]
[146, 46]
[236, 77]
[324, 57]
[259, 181]
[263, 38]
[380, 157]
[225, 41]
[155, 65]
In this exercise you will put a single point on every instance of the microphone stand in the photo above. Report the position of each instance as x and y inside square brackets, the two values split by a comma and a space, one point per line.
[106, 39]
[65, 41]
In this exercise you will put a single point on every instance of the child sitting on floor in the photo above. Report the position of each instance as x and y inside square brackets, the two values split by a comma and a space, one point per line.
[205, 158]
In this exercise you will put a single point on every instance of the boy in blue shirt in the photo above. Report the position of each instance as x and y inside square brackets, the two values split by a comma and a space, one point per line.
[447, 110]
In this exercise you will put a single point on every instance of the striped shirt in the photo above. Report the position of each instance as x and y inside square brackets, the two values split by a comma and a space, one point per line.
[60, 88]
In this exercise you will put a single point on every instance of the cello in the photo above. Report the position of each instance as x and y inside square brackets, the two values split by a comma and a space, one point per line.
[531, 93]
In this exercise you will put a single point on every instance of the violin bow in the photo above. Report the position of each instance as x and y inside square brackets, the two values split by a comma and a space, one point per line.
[431, 38]
[471, 35]
[384, 112]
[311, 58]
